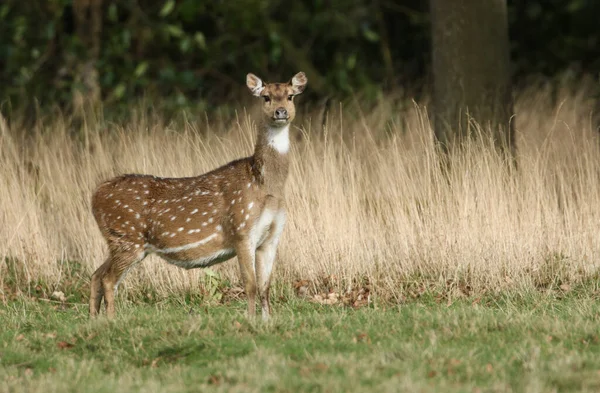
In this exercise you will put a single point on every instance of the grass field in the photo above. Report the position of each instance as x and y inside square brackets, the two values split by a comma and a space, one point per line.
[393, 274]
[369, 202]
[514, 343]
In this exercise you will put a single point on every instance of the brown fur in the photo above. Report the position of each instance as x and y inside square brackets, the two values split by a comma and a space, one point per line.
[237, 209]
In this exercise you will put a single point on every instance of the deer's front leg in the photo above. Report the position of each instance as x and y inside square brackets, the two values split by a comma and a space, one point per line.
[265, 259]
[246, 254]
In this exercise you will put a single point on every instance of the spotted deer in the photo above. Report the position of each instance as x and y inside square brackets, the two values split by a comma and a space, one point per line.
[235, 210]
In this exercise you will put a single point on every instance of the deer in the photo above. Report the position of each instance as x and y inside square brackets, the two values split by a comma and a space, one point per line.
[237, 209]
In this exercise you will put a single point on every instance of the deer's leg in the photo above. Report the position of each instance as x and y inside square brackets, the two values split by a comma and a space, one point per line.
[246, 257]
[265, 259]
[119, 262]
[96, 289]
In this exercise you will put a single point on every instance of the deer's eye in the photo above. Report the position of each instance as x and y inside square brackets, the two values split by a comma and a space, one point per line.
[290, 98]
[267, 98]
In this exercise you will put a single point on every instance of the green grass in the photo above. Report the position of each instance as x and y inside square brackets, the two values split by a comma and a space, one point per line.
[530, 343]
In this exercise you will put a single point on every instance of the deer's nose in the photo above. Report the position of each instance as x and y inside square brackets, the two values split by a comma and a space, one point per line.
[281, 113]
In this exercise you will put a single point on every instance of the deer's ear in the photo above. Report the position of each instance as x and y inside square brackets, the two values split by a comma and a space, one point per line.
[254, 84]
[298, 83]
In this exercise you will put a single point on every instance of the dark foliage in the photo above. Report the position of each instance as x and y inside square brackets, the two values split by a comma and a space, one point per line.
[188, 50]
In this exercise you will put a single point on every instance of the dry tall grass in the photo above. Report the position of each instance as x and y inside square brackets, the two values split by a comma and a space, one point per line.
[367, 199]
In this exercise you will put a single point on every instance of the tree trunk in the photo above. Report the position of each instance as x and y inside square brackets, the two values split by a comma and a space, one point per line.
[471, 71]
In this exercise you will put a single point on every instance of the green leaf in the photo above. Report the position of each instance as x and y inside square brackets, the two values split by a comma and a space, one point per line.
[351, 61]
[141, 69]
[370, 35]
[167, 8]
[185, 44]
[575, 6]
[4, 11]
[112, 12]
[175, 31]
[200, 40]
[119, 91]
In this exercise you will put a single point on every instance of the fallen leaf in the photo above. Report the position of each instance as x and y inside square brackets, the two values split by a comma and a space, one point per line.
[304, 371]
[58, 295]
[362, 338]
[455, 362]
[154, 363]
[215, 379]
[301, 287]
[64, 345]
[91, 336]
[328, 299]
[302, 291]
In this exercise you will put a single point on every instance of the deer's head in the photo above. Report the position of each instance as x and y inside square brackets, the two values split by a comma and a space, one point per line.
[278, 105]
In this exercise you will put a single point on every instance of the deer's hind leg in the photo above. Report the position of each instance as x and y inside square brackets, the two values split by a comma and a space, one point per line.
[106, 279]
[96, 289]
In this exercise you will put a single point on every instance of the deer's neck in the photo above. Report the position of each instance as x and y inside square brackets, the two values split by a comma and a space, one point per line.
[271, 163]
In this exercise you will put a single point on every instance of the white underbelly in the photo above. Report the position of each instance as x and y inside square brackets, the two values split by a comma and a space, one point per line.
[204, 261]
